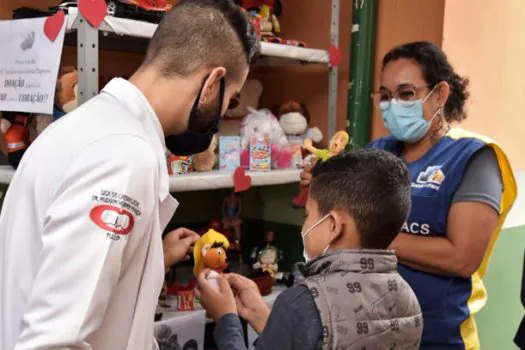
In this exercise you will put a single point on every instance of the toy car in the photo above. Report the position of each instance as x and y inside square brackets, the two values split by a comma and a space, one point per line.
[142, 10]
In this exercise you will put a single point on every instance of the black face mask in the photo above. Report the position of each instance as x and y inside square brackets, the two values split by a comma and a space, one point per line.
[197, 138]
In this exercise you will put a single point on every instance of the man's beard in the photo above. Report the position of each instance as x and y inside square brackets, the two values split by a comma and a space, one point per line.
[204, 116]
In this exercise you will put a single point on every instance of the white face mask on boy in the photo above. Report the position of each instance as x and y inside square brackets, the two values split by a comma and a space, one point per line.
[303, 234]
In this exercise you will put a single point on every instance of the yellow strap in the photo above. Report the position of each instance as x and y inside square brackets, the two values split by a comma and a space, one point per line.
[478, 297]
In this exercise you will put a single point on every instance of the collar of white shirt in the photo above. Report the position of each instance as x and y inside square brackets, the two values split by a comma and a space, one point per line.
[137, 105]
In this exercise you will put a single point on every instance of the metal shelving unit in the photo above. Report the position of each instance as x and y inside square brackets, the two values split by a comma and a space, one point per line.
[118, 34]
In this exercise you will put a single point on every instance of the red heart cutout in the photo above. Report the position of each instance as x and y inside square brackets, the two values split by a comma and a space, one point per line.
[336, 56]
[53, 25]
[93, 11]
[241, 181]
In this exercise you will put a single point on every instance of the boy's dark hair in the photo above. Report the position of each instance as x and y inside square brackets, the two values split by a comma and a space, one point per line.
[371, 185]
[203, 33]
[436, 68]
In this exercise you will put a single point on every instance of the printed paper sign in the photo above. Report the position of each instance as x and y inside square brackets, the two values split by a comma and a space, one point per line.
[29, 63]
[186, 331]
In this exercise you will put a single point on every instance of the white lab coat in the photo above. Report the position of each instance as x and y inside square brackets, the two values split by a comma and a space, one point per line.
[80, 230]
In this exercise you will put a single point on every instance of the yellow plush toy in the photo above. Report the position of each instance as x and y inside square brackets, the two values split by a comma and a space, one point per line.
[210, 252]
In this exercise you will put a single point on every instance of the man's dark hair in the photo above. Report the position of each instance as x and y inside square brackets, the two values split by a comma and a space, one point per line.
[436, 68]
[203, 33]
[372, 186]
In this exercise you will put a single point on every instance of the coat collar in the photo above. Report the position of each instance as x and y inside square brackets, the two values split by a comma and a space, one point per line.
[351, 260]
[137, 105]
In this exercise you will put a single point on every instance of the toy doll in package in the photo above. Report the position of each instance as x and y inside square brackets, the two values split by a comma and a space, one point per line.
[260, 153]
[179, 164]
[229, 153]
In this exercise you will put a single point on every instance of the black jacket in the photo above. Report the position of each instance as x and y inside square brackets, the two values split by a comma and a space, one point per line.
[519, 339]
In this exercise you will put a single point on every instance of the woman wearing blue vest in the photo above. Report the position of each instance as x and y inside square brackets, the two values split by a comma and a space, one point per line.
[462, 189]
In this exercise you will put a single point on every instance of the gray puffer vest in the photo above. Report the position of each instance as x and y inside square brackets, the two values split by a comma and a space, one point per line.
[363, 302]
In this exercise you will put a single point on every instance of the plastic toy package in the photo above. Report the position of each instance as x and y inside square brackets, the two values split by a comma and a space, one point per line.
[260, 154]
[229, 152]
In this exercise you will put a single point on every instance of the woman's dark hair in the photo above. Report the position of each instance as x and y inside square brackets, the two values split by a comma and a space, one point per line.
[435, 68]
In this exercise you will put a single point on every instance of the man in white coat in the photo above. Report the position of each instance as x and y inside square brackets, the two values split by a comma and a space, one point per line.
[81, 256]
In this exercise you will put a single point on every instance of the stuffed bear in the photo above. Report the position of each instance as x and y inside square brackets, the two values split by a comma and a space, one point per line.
[258, 124]
[294, 118]
[205, 161]
[66, 99]
[248, 97]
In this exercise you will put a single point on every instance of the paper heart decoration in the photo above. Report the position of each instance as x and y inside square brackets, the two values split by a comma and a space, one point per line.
[241, 181]
[93, 11]
[53, 25]
[336, 56]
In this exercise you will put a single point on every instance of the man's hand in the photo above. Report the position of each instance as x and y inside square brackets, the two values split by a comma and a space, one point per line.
[306, 174]
[178, 245]
[217, 301]
[250, 304]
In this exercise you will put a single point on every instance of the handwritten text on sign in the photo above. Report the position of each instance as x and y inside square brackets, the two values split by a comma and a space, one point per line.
[29, 64]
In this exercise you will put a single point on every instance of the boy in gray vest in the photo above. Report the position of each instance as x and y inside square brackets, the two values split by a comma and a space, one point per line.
[352, 296]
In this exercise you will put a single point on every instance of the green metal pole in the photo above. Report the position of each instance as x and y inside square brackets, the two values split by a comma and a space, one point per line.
[359, 112]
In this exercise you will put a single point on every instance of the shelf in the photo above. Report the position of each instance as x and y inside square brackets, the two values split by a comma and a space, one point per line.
[222, 179]
[120, 34]
[204, 181]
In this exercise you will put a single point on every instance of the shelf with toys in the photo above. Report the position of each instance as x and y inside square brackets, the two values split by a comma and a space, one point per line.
[122, 34]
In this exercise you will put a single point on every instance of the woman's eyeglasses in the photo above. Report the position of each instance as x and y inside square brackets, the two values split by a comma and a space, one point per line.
[407, 93]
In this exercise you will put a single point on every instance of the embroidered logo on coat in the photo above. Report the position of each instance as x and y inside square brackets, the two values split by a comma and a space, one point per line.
[432, 177]
[112, 219]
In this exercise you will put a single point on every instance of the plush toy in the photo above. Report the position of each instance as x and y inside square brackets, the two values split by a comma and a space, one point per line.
[66, 99]
[263, 123]
[210, 253]
[294, 119]
[206, 160]
[238, 108]
[336, 145]
[263, 14]
[4, 126]
[17, 135]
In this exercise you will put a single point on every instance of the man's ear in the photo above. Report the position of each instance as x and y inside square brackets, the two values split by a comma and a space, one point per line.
[212, 84]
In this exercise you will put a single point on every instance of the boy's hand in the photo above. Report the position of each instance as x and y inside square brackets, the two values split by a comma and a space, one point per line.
[217, 301]
[178, 245]
[250, 304]
[306, 174]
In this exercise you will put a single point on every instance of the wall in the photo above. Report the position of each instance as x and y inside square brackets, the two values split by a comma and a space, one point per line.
[494, 35]
[485, 41]
[399, 22]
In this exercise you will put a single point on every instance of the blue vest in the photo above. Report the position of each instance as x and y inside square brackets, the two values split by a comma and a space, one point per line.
[435, 178]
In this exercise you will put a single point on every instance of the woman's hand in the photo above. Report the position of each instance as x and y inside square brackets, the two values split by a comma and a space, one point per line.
[306, 174]
[250, 304]
[178, 245]
[217, 301]
[307, 143]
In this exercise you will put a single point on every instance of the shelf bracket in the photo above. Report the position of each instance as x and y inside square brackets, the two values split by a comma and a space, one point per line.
[87, 51]
[333, 74]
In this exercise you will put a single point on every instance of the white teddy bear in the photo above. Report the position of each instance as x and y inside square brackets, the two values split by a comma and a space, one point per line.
[259, 123]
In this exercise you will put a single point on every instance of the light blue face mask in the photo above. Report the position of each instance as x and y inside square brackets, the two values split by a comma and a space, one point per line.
[405, 119]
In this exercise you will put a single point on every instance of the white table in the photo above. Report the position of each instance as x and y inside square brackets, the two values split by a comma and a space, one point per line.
[187, 322]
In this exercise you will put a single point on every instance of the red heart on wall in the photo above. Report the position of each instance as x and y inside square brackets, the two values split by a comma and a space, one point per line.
[93, 11]
[53, 25]
[336, 56]
[241, 181]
